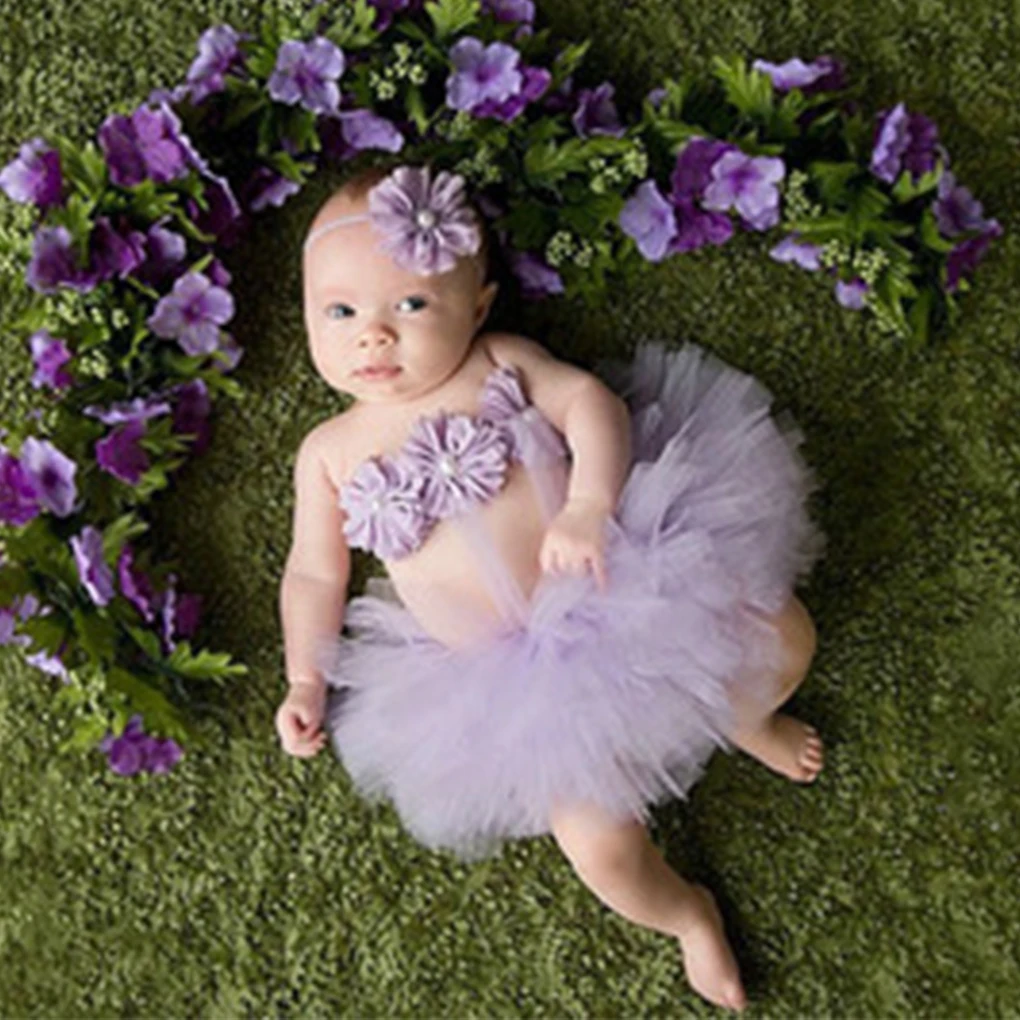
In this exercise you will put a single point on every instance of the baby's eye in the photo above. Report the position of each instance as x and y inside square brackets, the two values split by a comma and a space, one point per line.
[416, 302]
[342, 313]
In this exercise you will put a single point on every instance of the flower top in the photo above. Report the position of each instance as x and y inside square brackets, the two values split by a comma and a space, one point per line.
[425, 224]
[449, 464]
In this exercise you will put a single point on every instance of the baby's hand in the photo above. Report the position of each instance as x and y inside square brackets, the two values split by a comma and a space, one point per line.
[299, 717]
[575, 537]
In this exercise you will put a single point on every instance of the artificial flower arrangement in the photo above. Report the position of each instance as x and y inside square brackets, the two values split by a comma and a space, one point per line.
[126, 322]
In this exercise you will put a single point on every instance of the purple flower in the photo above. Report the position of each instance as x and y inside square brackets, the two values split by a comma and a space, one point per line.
[747, 184]
[383, 507]
[178, 615]
[825, 74]
[596, 113]
[93, 572]
[49, 354]
[692, 172]
[18, 497]
[964, 258]
[218, 55]
[52, 475]
[482, 72]
[120, 454]
[164, 251]
[135, 586]
[537, 278]
[460, 460]
[363, 129]
[34, 175]
[956, 210]
[191, 412]
[649, 219]
[903, 141]
[510, 11]
[267, 187]
[852, 294]
[50, 664]
[147, 145]
[425, 225]
[224, 218]
[113, 254]
[307, 73]
[134, 751]
[656, 97]
[193, 313]
[22, 607]
[386, 9]
[54, 262]
[536, 81]
[696, 227]
[791, 249]
[138, 409]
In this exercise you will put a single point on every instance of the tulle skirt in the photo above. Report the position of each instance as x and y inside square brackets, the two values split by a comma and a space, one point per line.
[616, 698]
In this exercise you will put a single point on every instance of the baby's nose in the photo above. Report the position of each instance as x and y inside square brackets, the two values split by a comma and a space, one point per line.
[377, 334]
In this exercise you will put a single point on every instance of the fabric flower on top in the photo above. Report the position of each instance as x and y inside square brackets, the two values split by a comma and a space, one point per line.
[461, 460]
[425, 224]
[383, 507]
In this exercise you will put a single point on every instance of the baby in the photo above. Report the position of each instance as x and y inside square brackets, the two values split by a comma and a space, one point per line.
[585, 597]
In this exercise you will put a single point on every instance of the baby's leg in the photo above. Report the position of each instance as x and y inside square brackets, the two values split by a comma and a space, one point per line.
[621, 865]
[779, 741]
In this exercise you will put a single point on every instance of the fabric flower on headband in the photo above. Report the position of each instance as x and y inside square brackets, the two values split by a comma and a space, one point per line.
[425, 224]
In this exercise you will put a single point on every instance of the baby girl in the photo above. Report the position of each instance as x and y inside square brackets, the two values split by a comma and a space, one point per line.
[590, 580]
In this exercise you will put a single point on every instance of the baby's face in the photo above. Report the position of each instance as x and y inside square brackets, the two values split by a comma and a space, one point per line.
[361, 309]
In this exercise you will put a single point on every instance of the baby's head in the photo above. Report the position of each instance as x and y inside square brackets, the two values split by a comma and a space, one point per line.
[362, 308]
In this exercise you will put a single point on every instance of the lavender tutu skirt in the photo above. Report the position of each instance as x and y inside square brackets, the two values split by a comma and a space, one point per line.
[617, 698]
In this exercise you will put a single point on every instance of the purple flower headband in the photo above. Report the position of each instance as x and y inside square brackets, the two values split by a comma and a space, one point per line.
[424, 225]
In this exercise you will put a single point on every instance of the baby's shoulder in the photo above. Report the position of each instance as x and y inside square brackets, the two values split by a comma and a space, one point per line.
[332, 442]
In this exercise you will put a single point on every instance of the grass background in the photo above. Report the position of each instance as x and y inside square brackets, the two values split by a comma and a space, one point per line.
[251, 883]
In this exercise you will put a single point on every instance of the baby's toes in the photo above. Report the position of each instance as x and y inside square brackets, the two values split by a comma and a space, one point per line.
[812, 758]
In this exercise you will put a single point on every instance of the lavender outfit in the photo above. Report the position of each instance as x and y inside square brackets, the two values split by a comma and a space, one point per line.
[615, 697]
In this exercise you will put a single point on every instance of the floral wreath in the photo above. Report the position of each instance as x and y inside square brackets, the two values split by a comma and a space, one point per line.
[128, 304]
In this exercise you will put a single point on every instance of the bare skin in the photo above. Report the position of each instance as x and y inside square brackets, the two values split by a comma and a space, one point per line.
[360, 309]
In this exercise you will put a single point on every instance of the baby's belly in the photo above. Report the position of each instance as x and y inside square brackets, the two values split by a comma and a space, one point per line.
[443, 583]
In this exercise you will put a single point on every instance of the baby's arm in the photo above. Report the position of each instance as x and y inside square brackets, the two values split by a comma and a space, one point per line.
[593, 419]
[314, 587]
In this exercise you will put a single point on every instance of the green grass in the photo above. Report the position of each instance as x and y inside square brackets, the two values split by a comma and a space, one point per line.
[251, 883]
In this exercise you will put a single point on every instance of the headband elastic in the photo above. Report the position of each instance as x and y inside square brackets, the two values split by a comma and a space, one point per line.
[330, 224]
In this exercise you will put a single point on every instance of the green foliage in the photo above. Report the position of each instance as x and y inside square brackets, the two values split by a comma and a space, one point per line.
[748, 90]
[353, 28]
[202, 665]
[452, 16]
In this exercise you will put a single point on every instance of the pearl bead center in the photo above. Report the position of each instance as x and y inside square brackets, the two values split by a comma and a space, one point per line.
[426, 218]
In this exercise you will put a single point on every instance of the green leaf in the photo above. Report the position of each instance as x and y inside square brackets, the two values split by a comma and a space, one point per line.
[832, 180]
[919, 315]
[87, 732]
[548, 162]
[415, 106]
[158, 714]
[14, 581]
[203, 665]
[147, 641]
[47, 632]
[244, 106]
[355, 30]
[97, 634]
[906, 189]
[452, 16]
[750, 91]
[930, 236]
[566, 63]
[119, 533]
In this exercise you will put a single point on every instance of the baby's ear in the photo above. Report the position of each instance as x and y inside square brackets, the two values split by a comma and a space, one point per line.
[485, 298]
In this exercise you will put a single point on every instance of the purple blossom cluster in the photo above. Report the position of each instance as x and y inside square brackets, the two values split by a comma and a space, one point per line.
[710, 179]
[135, 751]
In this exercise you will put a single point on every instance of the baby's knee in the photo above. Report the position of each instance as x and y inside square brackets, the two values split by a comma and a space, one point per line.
[595, 843]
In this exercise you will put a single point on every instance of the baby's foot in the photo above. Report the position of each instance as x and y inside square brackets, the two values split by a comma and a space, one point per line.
[787, 746]
[708, 960]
